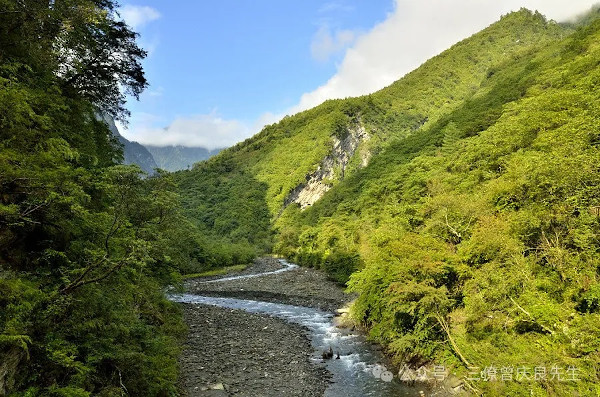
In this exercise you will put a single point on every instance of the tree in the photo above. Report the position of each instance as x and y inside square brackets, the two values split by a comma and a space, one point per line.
[77, 43]
[84, 243]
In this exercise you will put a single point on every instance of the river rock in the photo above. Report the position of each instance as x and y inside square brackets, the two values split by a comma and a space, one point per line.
[214, 393]
[230, 355]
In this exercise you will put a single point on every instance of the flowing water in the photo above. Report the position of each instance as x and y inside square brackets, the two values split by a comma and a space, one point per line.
[286, 267]
[357, 373]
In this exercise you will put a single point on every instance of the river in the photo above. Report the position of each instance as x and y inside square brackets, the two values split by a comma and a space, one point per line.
[358, 371]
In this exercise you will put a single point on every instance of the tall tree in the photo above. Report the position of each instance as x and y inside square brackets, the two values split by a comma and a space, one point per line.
[81, 43]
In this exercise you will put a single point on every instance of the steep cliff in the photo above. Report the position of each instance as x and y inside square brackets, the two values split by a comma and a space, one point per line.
[332, 168]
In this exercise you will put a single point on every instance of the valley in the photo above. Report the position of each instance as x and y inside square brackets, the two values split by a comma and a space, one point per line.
[456, 217]
[444, 227]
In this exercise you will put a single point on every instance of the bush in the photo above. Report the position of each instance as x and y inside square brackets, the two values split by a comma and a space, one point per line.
[340, 266]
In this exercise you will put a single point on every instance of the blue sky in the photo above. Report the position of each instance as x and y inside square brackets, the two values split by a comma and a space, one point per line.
[242, 57]
[238, 59]
[219, 70]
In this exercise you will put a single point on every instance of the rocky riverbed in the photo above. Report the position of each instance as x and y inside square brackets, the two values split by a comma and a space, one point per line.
[265, 350]
[301, 286]
[235, 353]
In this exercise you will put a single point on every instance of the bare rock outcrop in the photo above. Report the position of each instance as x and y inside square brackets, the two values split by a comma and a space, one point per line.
[332, 167]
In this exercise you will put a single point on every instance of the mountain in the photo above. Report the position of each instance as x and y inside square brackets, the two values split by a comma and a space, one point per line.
[460, 203]
[133, 152]
[176, 158]
[304, 156]
[149, 158]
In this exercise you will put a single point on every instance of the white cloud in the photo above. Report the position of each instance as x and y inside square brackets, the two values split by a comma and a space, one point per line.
[414, 32]
[325, 44]
[138, 16]
[206, 130]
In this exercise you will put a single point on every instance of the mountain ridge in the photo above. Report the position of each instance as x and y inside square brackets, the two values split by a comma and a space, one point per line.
[389, 114]
[151, 157]
[133, 152]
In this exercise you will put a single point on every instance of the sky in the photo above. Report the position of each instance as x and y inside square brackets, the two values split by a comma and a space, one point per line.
[220, 70]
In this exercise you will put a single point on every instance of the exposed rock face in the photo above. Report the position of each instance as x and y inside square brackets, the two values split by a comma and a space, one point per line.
[137, 154]
[331, 168]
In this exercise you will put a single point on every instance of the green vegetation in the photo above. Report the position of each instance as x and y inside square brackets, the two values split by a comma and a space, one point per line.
[227, 207]
[86, 245]
[217, 272]
[472, 234]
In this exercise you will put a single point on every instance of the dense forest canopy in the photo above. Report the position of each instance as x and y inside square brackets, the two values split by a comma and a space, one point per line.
[86, 245]
[470, 226]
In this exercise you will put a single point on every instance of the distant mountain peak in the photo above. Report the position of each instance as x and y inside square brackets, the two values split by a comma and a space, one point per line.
[179, 157]
[133, 152]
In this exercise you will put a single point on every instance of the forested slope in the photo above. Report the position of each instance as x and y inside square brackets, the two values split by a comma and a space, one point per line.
[468, 221]
[283, 154]
[480, 245]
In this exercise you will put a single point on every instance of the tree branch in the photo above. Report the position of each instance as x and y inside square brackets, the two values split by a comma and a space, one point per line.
[530, 316]
[73, 286]
[452, 229]
[446, 329]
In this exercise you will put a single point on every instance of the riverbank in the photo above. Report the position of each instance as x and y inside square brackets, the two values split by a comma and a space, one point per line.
[234, 353]
[230, 352]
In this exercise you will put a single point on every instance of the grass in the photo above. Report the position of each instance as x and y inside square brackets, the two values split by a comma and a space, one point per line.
[217, 272]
